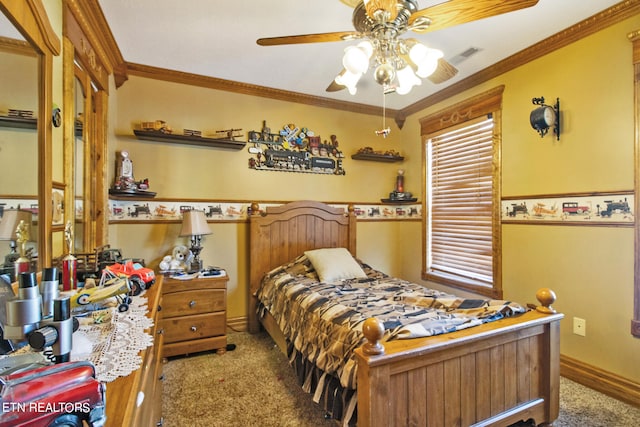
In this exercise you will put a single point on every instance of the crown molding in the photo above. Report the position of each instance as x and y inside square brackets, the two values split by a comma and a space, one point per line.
[249, 89]
[30, 18]
[591, 25]
[20, 47]
[613, 15]
[91, 20]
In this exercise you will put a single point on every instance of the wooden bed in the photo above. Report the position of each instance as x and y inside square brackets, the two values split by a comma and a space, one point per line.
[497, 373]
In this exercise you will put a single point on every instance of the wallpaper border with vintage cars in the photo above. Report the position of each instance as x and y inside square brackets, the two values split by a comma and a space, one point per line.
[602, 208]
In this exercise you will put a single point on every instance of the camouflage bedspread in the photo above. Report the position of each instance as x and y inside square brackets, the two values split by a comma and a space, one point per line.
[323, 321]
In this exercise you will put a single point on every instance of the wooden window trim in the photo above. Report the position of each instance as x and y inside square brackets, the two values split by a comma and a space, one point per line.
[634, 37]
[489, 102]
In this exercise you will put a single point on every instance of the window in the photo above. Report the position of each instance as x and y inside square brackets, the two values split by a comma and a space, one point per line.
[462, 195]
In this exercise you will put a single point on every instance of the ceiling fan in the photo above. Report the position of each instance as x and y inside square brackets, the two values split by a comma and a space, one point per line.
[379, 25]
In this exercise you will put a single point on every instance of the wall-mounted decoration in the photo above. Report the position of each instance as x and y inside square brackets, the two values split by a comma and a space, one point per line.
[545, 116]
[159, 130]
[398, 195]
[172, 210]
[30, 205]
[125, 184]
[368, 153]
[142, 210]
[57, 204]
[294, 149]
[611, 208]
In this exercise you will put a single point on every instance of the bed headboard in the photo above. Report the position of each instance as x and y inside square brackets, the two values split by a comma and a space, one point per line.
[280, 233]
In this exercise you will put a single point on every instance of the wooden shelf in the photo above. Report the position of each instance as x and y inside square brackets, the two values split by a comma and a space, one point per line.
[189, 140]
[18, 122]
[399, 202]
[377, 157]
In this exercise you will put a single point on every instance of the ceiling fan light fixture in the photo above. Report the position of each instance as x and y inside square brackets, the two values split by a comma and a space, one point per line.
[406, 80]
[425, 58]
[384, 74]
[349, 80]
[355, 59]
[367, 47]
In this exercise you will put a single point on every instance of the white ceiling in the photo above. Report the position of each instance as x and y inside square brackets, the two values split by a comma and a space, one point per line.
[218, 38]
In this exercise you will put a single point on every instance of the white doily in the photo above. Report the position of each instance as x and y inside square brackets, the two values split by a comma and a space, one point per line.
[115, 345]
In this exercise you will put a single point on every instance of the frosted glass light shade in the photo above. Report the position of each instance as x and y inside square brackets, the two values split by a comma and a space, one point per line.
[406, 80]
[350, 80]
[426, 59]
[355, 60]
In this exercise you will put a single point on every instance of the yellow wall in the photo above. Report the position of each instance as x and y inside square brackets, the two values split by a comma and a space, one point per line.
[185, 171]
[18, 147]
[590, 268]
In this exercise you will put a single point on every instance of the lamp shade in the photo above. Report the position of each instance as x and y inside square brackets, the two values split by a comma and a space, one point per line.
[194, 223]
[10, 220]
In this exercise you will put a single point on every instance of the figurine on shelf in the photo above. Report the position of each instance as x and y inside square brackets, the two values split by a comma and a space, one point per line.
[399, 195]
[125, 184]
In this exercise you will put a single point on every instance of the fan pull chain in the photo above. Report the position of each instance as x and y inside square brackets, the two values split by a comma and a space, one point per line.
[385, 130]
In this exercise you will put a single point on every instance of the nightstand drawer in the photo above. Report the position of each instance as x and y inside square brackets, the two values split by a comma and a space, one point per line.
[186, 303]
[193, 327]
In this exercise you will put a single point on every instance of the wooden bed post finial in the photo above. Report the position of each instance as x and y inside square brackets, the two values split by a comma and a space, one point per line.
[255, 208]
[546, 297]
[373, 331]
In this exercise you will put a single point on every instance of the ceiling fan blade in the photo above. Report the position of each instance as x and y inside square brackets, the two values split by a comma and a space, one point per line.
[456, 12]
[444, 72]
[351, 3]
[336, 87]
[309, 38]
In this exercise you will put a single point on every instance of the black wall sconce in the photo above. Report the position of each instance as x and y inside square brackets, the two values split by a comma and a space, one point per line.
[545, 116]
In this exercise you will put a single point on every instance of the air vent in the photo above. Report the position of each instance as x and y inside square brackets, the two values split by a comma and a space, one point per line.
[463, 56]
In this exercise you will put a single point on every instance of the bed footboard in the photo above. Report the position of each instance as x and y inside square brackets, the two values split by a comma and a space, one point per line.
[494, 374]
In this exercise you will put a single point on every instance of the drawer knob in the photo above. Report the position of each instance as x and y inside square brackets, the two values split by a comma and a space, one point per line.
[161, 422]
[160, 331]
[192, 304]
[161, 377]
[193, 329]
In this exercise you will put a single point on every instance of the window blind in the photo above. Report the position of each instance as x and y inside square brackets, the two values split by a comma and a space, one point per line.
[460, 203]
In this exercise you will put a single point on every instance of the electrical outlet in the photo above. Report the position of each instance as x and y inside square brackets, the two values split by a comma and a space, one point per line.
[579, 326]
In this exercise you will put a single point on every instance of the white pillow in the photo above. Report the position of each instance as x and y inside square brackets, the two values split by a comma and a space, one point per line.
[334, 264]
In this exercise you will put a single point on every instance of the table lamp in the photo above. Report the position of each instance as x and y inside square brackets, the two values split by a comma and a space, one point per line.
[194, 224]
[15, 226]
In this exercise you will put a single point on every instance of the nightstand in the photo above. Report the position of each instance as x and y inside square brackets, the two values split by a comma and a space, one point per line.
[194, 315]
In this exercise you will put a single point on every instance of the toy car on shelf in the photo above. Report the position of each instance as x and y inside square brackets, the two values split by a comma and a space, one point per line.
[65, 394]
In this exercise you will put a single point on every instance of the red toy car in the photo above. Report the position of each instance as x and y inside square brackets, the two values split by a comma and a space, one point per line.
[141, 278]
[65, 394]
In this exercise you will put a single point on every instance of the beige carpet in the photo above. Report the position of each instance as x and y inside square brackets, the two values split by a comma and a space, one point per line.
[252, 385]
[255, 386]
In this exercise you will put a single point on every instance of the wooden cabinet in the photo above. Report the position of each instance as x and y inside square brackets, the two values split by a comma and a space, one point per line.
[194, 315]
[136, 400]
